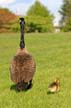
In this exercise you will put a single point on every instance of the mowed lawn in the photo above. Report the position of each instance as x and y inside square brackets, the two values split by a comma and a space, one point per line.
[52, 53]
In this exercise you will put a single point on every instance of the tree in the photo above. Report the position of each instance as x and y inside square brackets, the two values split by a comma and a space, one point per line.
[67, 26]
[38, 10]
[65, 12]
[38, 18]
[6, 17]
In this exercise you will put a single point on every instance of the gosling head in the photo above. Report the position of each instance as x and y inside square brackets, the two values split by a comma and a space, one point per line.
[57, 81]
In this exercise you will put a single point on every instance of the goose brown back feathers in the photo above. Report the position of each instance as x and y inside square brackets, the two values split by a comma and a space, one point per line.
[22, 68]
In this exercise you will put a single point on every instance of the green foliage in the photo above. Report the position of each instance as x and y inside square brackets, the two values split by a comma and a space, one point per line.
[38, 10]
[39, 18]
[66, 15]
[38, 24]
[52, 53]
[33, 24]
[14, 25]
[67, 26]
[65, 9]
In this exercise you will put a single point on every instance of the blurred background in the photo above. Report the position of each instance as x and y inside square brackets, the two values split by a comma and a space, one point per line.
[40, 15]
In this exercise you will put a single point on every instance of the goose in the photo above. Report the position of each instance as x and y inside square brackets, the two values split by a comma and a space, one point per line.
[23, 65]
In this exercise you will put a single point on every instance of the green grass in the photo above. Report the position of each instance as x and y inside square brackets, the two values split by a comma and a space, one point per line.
[52, 53]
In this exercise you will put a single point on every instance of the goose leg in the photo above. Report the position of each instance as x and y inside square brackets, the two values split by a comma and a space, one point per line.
[25, 85]
[30, 84]
[22, 86]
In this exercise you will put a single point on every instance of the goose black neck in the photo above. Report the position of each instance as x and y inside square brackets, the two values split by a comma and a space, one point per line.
[22, 42]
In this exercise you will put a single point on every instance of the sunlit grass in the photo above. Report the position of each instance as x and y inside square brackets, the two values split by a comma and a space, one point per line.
[52, 53]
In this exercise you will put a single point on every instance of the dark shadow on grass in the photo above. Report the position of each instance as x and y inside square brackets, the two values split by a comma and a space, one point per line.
[14, 87]
[52, 93]
[49, 93]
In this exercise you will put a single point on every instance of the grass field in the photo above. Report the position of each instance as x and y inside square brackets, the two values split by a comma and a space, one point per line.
[52, 53]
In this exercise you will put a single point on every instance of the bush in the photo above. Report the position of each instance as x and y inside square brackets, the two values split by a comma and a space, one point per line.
[39, 24]
[67, 26]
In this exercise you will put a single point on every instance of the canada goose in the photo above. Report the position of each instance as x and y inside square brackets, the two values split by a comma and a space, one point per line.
[54, 86]
[23, 66]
